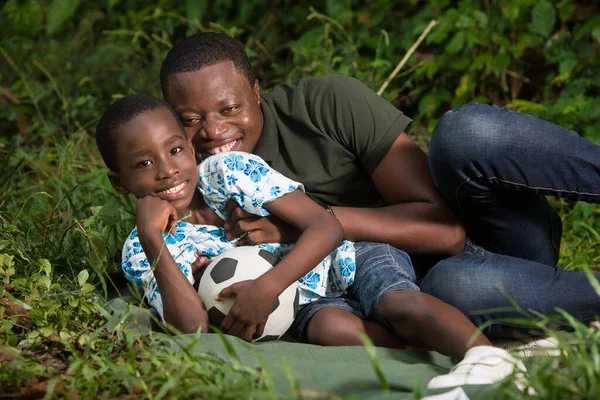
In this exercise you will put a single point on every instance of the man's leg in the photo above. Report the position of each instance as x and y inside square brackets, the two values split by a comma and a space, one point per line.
[488, 287]
[494, 166]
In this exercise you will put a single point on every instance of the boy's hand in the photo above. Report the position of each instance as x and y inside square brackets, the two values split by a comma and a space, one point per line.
[250, 311]
[154, 216]
[258, 229]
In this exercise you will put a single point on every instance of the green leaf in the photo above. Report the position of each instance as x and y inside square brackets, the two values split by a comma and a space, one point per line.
[464, 87]
[456, 43]
[45, 266]
[194, 11]
[543, 18]
[59, 12]
[111, 4]
[566, 66]
[45, 282]
[87, 288]
[82, 277]
[481, 18]
[596, 34]
[501, 63]
[23, 17]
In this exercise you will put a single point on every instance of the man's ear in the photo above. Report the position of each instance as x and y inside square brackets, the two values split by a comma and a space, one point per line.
[116, 182]
[256, 92]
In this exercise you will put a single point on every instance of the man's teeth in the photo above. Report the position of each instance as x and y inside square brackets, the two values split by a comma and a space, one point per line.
[226, 147]
[174, 189]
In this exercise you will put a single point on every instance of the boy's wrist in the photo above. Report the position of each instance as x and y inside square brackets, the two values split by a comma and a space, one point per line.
[270, 285]
[151, 240]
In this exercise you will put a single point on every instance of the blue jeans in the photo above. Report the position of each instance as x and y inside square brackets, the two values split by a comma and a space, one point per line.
[495, 166]
[380, 268]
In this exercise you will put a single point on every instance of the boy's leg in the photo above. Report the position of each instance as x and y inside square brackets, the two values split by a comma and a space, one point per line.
[385, 286]
[487, 287]
[337, 322]
[436, 325]
[494, 165]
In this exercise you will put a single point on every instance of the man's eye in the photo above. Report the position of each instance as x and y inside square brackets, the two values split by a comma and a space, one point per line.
[230, 109]
[176, 150]
[143, 164]
[189, 121]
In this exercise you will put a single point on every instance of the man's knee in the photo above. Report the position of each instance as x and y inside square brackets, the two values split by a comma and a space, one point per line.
[464, 135]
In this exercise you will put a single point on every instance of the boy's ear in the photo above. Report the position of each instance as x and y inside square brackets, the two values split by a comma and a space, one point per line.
[116, 182]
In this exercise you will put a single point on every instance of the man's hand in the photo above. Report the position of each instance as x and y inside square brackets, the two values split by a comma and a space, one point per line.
[256, 229]
[250, 311]
[154, 216]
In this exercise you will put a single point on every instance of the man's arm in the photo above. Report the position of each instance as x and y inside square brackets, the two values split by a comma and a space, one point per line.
[417, 220]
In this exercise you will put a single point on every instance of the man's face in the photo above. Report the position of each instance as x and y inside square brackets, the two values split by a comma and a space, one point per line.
[155, 158]
[218, 108]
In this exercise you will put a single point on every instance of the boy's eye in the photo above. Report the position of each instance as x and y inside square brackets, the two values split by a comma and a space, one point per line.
[143, 164]
[176, 150]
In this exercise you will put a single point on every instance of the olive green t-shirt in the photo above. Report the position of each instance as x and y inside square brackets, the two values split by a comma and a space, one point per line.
[329, 132]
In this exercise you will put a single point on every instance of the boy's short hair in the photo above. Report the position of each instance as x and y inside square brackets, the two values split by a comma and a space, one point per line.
[203, 50]
[120, 112]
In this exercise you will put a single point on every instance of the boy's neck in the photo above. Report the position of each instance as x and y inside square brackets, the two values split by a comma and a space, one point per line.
[200, 213]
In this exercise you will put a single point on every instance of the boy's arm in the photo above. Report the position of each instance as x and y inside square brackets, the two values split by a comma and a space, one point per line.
[182, 306]
[416, 214]
[320, 234]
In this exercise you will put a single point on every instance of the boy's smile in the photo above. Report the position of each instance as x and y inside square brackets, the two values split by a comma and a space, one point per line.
[155, 158]
[218, 108]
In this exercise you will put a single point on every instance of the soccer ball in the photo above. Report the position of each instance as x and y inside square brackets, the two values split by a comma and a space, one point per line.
[241, 264]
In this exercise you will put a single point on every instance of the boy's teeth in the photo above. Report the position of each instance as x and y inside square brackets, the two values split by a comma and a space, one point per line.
[174, 189]
[226, 147]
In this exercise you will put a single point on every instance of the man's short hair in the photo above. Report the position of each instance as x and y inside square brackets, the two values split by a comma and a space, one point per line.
[203, 50]
[120, 112]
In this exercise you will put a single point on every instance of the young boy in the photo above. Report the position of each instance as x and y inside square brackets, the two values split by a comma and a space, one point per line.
[145, 147]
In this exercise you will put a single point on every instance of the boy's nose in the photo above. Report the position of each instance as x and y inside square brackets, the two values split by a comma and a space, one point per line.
[167, 169]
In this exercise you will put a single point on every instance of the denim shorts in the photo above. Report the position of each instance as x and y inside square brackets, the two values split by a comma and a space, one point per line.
[379, 269]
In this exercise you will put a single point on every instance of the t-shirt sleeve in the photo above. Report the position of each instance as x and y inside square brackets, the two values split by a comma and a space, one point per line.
[355, 116]
[244, 177]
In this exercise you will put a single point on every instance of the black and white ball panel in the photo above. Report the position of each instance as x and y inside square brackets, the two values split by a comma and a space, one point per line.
[240, 264]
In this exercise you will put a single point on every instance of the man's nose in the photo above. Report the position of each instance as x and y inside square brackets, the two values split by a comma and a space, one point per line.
[214, 128]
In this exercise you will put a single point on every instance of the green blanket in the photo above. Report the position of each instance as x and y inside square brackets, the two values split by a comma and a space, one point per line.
[344, 371]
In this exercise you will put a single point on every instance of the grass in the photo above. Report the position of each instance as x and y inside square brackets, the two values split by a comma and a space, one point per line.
[61, 230]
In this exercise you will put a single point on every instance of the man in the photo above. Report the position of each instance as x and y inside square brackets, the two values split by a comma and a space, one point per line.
[347, 145]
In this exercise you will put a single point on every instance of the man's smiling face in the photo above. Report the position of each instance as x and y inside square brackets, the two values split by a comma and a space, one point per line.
[218, 108]
[155, 158]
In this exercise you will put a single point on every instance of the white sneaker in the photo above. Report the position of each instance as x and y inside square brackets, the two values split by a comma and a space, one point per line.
[543, 347]
[482, 365]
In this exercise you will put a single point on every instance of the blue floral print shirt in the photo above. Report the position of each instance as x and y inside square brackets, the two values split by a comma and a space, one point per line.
[248, 180]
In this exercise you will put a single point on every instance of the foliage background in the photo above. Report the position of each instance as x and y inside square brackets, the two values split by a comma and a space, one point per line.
[63, 61]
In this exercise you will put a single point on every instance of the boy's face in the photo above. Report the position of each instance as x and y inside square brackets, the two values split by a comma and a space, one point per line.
[155, 158]
[218, 108]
